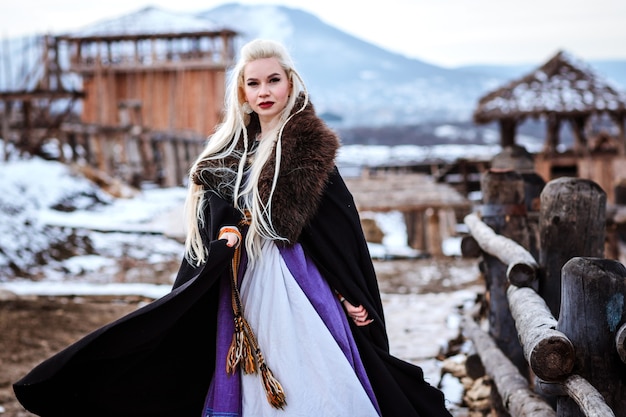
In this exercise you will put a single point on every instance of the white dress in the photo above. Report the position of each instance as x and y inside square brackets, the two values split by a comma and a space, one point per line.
[298, 348]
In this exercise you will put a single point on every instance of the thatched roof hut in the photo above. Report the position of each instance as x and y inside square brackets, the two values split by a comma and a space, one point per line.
[563, 89]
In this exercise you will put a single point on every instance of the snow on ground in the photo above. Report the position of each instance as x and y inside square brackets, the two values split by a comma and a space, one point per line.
[37, 194]
[420, 326]
[371, 155]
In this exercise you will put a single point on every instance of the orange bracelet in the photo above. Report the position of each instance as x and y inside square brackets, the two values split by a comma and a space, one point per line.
[231, 230]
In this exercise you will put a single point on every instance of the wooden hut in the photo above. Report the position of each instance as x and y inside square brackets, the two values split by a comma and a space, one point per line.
[35, 104]
[154, 90]
[430, 209]
[164, 80]
[564, 89]
[132, 97]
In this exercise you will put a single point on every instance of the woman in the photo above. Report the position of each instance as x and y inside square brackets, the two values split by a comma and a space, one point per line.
[275, 309]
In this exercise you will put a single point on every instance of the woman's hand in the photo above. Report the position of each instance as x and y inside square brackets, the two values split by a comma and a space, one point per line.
[357, 314]
[231, 235]
[231, 239]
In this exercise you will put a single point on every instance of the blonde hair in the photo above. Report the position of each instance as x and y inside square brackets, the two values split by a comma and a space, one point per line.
[223, 143]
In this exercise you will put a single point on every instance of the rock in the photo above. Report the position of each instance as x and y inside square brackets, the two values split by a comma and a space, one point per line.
[455, 366]
[478, 397]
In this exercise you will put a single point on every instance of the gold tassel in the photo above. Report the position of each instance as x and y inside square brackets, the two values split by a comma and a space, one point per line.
[273, 389]
[235, 352]
[249, 362]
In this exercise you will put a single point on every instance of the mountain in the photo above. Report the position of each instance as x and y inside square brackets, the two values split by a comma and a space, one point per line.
[149, 19]
[352, 82]
[613, 71]
[362, 83]
[368, 85]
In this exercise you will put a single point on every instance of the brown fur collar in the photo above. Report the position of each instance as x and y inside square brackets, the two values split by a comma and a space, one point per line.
[308, 155]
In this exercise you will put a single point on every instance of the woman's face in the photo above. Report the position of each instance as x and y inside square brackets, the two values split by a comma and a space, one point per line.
[266, 89]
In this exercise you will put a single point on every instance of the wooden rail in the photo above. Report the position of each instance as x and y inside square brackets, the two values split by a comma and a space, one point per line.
[520, 400]
[521, 265]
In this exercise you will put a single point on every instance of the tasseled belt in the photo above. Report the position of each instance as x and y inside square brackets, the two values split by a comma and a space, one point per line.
[244, 348]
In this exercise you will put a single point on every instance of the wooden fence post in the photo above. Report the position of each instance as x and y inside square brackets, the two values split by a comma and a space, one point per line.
[433, 234]
[148, 157]
[593, 311]
[517, 158]
[414, 220]
[169, 162]
[572, 223]
[503, 210]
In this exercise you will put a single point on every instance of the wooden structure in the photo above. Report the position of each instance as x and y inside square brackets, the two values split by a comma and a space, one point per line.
[166, 81]
[151, 99]
[578, 358]
[430, 209]
[461, 174]
[565, 89]
[148, 98]
[34, 108]
[607, 169]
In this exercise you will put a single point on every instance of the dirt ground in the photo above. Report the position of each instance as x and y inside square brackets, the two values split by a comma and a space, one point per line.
[34, 328]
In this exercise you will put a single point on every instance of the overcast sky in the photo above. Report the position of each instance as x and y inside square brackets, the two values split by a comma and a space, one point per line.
[442, 32]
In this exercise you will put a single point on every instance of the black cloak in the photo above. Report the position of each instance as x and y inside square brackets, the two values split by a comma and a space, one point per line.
[158, 361]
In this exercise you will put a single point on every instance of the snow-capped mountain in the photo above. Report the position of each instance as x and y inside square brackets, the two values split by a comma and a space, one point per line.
[350, 80]
[149, 20]
[366, 84]
[360, 82]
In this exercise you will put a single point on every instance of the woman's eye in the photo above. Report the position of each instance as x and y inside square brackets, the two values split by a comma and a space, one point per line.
[252, 83]
[275, 80]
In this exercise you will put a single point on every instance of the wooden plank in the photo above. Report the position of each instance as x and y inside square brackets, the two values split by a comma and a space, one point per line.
[146, 149]
[433, 235]
[169, 164]
[414, 220]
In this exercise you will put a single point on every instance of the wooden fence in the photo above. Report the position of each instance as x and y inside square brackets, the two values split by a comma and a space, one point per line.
[556, 339]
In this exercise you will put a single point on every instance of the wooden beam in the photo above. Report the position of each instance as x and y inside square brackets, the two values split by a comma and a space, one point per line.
[517, 397]
[549, 352]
